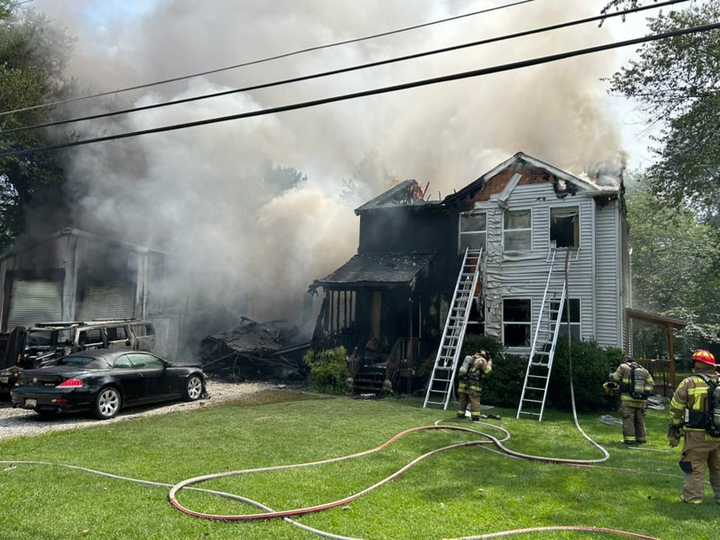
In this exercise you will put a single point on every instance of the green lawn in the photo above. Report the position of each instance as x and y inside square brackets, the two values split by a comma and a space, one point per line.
[458, 493]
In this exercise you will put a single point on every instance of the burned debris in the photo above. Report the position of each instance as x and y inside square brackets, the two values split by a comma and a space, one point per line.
[255, 350]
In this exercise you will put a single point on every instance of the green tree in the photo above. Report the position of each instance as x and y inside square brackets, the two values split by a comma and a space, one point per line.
[677, 82]
[675, 258]
[32, 62]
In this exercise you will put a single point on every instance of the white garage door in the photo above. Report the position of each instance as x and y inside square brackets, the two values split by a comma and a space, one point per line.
[34, 301]
[109, 301]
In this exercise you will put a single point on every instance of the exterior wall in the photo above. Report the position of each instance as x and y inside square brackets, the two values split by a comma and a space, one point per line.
[608, 292]
[525, 276]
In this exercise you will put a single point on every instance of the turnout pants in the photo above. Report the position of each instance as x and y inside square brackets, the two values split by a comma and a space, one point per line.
[700, 451]
[472, 398]
[633, 423]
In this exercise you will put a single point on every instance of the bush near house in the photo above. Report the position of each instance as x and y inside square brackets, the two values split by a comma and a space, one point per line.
[591, 366]
[328, 369]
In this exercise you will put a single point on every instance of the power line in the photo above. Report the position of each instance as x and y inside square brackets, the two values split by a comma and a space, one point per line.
[345, 69]
[376, 91]
[266, 59]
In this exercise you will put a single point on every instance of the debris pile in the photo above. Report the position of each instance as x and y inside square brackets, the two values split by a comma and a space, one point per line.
[255, 350]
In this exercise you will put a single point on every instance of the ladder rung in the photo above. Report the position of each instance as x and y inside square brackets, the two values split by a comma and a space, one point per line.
[532, 400]
[441, 380]
[438, 391]
[533, 388]
[540, 364]
[436, 402]
[443, 367]
[539, 376]
[533, 413]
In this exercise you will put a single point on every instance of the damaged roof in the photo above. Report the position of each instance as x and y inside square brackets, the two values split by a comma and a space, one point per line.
[406, 193]
[380, 269]
[520, 159]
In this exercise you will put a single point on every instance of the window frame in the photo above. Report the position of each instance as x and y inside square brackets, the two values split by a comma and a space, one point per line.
[529, 324]
[471, 233]
[530, 230]
[577, 324]
[579, 225]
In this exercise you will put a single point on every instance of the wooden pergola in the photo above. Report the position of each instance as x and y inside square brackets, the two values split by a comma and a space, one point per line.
[668, 324]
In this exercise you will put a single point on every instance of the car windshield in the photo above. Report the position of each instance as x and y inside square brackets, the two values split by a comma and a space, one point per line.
[39, 338]
[84, 362]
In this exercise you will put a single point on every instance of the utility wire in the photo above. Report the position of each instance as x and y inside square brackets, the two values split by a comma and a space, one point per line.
[265, 59]
[376, 91]
[345, 69]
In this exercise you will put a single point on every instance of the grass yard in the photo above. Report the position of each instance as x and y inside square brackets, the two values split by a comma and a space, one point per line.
[462, 492]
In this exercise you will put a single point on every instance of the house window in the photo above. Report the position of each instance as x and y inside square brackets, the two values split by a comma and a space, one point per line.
[516, 322]
[574, 310]
[473, 227]
[517, 231]
[565, 227]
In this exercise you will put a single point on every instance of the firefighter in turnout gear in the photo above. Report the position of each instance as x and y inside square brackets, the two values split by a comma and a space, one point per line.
[635, 384]
[695, 416]
[471, 373]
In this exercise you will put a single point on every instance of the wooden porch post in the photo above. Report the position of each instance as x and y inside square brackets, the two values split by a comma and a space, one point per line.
[671, 354]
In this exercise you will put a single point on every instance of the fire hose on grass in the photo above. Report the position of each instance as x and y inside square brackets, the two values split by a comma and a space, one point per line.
[268, 513]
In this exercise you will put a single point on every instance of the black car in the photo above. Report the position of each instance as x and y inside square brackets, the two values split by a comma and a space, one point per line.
[103, 381]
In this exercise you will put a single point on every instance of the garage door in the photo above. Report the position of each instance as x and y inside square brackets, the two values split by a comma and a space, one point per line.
[34, 301]
[108, 301]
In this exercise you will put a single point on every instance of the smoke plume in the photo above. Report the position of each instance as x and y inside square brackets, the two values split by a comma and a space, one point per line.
[252, 211]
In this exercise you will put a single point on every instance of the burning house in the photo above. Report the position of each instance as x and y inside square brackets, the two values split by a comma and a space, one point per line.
[527, 218]
[74, 275]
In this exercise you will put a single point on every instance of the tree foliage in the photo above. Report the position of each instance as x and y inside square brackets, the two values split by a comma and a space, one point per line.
[32, 62]
[677, 82]
[675, 259]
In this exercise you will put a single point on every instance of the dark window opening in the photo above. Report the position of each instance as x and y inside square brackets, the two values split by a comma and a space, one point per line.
[565, 227]
[516, 322]
[574, 314]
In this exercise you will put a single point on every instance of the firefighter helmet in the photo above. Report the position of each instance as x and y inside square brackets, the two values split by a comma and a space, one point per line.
[704, 357]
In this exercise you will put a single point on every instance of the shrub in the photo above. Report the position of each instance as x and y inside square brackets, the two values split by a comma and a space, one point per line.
[591, 367]
[504, 385]
[328, 369]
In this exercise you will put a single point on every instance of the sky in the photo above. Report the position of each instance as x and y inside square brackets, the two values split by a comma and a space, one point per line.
[104, 24]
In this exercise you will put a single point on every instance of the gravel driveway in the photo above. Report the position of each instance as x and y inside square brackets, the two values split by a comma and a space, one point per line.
[23, 423]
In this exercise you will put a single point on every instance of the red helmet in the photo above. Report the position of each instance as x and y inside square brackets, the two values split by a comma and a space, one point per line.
[704, 357]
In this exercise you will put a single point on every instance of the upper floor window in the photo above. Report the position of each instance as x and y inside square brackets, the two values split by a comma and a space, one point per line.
[517, 231]
[473, 230]
[565, 227]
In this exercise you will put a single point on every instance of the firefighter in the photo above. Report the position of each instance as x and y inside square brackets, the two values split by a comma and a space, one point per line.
[472, 371]
[635, 384]
[695, 413]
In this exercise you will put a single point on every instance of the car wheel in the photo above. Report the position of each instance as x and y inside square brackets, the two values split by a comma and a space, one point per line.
[193, 388]
[107, 403]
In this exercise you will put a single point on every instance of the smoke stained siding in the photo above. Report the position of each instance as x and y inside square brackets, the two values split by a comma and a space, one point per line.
[526, 277]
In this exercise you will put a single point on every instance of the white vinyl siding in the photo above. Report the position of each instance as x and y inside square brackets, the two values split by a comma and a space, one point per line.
[525, 275]
[607, 268]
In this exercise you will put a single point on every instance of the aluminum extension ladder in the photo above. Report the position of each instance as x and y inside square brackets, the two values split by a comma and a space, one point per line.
[542, 353]
[440, 386]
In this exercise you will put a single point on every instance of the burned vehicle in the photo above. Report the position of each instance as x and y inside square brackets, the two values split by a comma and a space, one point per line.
[104, 381]
[45, 344]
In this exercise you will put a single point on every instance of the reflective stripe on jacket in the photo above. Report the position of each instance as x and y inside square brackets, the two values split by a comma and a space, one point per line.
[623, 374]
[689, 402]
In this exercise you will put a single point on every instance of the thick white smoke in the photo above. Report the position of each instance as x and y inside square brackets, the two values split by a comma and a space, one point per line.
[210, 195]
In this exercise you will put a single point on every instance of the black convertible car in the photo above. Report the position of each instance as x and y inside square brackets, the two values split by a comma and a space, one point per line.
[103, 381]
